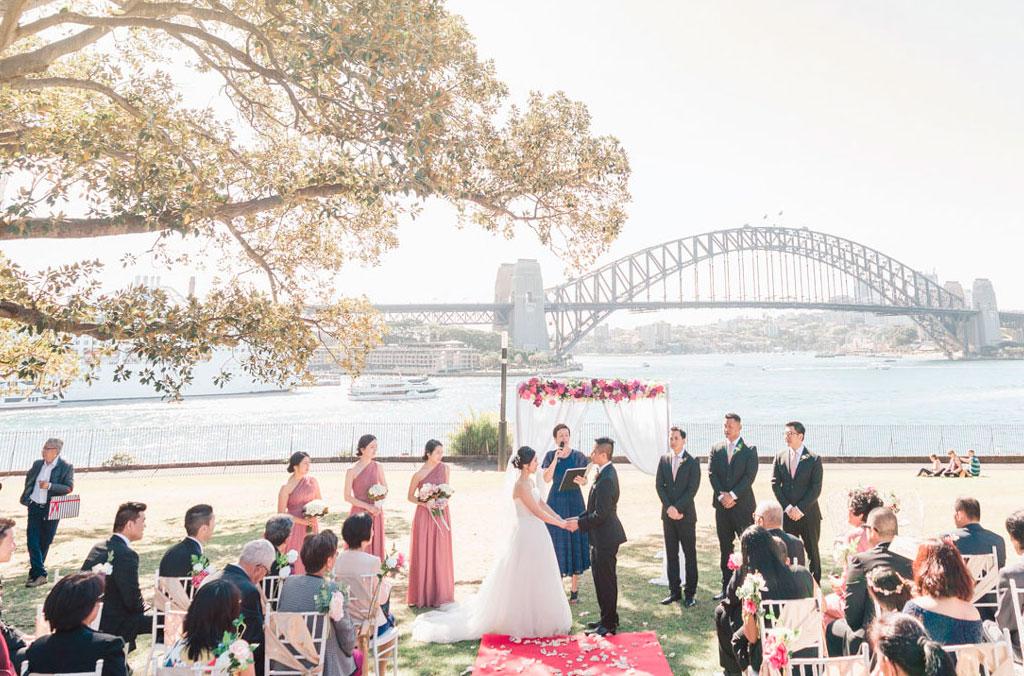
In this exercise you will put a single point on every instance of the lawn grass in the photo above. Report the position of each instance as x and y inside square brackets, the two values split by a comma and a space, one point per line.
[243, 499]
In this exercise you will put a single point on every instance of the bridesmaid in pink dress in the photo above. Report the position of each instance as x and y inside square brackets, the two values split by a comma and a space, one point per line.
[431, 566]
[358, 480]
[293, 497]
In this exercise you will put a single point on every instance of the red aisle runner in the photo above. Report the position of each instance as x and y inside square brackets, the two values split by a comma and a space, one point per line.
[637, 654]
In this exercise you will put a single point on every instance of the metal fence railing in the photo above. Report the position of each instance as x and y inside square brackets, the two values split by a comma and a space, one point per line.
[178, 445]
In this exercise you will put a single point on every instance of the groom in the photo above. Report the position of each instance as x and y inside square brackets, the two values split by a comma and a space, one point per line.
[606, 534]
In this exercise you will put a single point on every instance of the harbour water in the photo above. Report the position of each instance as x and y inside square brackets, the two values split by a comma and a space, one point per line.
[763, 388]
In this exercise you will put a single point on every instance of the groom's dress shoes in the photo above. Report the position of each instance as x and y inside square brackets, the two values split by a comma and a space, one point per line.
[670, 599]
[600, 630]
[689, 602]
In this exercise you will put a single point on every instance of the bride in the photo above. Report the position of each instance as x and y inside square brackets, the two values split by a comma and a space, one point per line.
[522, 595]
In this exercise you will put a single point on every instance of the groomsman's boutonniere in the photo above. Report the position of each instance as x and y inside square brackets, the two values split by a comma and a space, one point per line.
[201, 568]
[285, 561]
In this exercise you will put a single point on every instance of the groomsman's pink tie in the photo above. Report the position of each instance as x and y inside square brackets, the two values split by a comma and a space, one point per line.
[793, 460]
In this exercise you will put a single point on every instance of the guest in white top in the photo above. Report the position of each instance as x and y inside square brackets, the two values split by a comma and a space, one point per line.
[356, 561]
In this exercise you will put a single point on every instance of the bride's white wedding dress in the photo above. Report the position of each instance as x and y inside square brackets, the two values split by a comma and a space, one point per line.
[521, 596]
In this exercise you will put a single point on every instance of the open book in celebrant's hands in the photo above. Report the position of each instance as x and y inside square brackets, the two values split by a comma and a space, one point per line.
[568, 481]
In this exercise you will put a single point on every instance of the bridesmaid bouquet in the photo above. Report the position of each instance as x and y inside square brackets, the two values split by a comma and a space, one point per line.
[315, 509]
[435, 498]
[377, 492]
[750, 593]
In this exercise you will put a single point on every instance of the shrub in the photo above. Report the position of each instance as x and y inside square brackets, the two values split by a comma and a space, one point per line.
[120, 459]
[477, 435]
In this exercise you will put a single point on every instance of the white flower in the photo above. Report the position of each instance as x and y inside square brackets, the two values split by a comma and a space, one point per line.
[377, 492]
[223, 662]
[103, 569]
[284, 571]
[337, 607]
[292, 556]
[425, 490]
[445, 490]
[391, 561]
[197, 567]
[315, 508]
[240, 649]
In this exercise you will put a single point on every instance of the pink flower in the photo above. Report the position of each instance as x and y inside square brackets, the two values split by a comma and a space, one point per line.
[735, 561]
[749, 607]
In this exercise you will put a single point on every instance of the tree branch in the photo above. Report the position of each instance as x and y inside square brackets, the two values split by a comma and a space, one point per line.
[9, 23]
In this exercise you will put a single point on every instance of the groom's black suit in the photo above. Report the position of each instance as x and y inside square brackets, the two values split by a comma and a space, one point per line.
[606, 534]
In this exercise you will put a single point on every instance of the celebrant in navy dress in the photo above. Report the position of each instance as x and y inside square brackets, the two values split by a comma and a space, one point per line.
[571, 549]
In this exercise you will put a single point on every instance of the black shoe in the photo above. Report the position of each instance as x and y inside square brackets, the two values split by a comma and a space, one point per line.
[600, 630]
[36, 582]
[670, 599]
[593, 625]
[689, 602]
[574, 597]
[719, 596]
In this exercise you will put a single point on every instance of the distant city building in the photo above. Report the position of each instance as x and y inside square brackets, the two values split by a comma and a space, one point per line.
[655, 335]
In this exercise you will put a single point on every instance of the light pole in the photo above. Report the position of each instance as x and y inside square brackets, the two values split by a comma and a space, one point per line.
[502, 423]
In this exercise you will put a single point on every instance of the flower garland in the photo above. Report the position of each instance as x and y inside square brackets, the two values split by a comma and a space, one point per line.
[594, 389]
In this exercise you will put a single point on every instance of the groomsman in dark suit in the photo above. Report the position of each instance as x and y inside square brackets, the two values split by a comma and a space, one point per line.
[199, 524]
[732, 468]
[796, 482]
[678, 479]
[124, 610]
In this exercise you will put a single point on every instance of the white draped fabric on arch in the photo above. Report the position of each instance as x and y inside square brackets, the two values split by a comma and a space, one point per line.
[637, 413]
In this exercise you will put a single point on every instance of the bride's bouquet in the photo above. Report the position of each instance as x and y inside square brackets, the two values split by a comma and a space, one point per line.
[315, 509]
[377, 492]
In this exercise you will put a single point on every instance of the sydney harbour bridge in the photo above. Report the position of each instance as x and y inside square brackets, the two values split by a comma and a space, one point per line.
[749, 267]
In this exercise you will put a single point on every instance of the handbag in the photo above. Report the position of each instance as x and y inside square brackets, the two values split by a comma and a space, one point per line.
[64, 507]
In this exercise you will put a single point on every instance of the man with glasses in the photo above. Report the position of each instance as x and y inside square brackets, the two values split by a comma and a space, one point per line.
[47, 478]
[796, 482]
[253, 565]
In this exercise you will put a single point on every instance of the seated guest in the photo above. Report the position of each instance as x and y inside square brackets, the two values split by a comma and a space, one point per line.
[1015, 571]
[277, 531]
[356, 561]
[972, 539]
[739, 645]
[943, 588]
[70, 607]
[973, 463]
[13, 640]
[903, 648]
[299, 592]
[859, 504]
[124, 611]
[177, 561]
[846, 635]
[954, 467]
[936, 469]
[768, 515]
[253, 563]
[214, 608]
[889, 590]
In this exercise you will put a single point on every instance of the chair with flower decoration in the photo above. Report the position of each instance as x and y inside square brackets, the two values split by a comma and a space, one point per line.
[854, 665]
[983, 659]
[171, 598]
[803, 617]
[295, 643]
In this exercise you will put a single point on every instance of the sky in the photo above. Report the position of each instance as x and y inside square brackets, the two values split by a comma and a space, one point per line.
[896, 124]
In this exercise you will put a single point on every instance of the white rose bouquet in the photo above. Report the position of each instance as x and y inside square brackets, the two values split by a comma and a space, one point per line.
[315, 509]
[377, 492]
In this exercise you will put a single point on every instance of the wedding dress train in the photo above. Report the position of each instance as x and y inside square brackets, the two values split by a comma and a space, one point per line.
[521, 596]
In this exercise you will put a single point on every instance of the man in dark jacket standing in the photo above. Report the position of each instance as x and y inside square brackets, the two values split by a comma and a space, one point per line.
[47, 478]
[796, 482]
[601, 521]
[732, 468]
[678, 478]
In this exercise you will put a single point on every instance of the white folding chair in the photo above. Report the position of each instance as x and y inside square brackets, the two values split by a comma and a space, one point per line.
[171, 598]
[854, 665]
[43, 627]
[295, 643]
[271, 588]
[380, 649]
[803, 616]
[1016, 593]
[984, 568]
[96, 672]
[983, 659]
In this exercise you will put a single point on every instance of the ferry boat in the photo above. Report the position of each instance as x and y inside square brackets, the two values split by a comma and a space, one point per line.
[32, 400]
[392, 389]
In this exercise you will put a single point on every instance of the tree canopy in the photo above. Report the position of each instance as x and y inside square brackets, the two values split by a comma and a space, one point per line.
[330, 122]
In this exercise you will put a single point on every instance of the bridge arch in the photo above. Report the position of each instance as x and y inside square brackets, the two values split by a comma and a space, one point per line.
[579, 305]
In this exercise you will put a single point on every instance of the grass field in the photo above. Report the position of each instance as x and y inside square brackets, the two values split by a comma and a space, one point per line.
[243, 500]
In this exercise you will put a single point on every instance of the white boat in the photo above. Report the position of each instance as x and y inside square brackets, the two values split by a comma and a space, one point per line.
[33, 400]
[392, 389]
